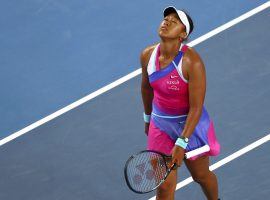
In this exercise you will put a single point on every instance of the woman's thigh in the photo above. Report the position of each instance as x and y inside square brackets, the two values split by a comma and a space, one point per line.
[168, 187]
[199, 167]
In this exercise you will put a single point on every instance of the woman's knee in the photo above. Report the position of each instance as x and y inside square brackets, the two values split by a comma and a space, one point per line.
[166, 189]
[201, 177]
[167, 185]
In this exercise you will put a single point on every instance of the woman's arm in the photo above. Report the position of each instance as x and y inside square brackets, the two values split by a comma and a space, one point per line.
[194, 70]
[146, 89]
[197, 88]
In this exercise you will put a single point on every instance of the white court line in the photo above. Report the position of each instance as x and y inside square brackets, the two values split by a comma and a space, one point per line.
[128, 77]
[226, 160]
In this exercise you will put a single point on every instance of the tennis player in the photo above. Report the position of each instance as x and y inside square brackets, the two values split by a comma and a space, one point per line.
[173, 90]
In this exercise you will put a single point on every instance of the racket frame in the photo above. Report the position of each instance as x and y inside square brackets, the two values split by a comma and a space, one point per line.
[168, 170]
[188, 155]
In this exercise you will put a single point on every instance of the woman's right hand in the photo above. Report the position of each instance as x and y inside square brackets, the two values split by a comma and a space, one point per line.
[146, 128]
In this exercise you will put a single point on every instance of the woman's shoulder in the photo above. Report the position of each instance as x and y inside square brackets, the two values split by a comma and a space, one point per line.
[192, 57]
[146, 54]
[191, 52]
[149, 49]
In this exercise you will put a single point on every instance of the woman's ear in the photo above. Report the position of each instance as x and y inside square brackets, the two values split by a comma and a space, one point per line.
[183, 35]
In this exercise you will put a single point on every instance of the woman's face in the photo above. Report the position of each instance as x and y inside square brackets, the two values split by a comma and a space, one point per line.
[171, 27]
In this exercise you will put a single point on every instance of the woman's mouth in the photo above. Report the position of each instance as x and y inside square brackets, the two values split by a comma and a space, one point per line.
[163, 28]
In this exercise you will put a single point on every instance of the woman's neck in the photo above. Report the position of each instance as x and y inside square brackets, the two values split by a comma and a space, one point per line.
[169, 48]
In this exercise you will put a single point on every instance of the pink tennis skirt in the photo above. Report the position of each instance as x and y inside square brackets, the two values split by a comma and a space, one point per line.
[164, 132]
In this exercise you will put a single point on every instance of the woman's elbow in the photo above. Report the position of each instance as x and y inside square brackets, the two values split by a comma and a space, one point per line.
[196, 110]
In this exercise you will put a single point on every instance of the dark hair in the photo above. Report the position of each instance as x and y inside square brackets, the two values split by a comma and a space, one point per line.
[190, 22]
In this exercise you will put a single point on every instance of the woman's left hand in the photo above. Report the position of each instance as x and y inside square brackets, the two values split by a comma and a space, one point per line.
[178, 154]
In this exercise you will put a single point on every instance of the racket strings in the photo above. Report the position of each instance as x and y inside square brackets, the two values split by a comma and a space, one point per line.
[145, 171]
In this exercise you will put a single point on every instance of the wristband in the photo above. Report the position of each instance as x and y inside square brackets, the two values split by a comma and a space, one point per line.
[181, 143]
[146, 118]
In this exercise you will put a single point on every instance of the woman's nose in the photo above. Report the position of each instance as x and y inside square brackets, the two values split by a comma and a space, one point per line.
[167, 23]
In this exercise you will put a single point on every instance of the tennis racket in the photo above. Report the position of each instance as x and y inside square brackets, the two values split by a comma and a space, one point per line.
[147, 170]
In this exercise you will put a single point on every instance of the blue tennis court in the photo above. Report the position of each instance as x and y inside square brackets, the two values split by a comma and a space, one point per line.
[55, 53]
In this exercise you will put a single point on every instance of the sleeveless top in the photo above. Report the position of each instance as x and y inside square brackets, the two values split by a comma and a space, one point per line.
[169, 85]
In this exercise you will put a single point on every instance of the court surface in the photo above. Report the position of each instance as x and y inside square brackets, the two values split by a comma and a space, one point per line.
[81, 154]
[54, 52]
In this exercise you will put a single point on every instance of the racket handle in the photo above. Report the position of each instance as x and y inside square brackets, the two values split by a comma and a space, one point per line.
[174, 166]
[198, 151]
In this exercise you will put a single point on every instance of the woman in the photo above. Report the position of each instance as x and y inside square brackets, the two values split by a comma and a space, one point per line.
[173, 91]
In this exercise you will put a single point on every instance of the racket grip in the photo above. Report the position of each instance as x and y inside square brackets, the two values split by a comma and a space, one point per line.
[198, 151]
[173, 167]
